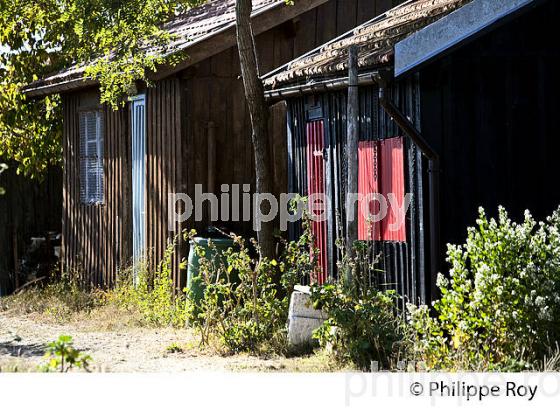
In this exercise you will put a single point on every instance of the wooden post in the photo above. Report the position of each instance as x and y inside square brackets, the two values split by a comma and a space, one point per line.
[211, 161]
[352, 155]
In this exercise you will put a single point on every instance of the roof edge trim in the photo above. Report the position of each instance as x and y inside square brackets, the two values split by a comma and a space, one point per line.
[452, 30]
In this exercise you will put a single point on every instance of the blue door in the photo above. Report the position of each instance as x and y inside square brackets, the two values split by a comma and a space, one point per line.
[138, 126]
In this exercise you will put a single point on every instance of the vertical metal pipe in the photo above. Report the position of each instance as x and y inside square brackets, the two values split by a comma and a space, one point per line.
[352, 153]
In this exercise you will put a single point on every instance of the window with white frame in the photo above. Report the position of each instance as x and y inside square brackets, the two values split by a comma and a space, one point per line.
[91, 157]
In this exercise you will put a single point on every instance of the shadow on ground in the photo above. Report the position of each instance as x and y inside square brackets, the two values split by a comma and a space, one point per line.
[22, 349]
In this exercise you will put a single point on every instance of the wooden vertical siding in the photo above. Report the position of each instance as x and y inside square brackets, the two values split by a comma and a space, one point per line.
[165, 156]
[489, 109]
[214, 94]
[96, 238]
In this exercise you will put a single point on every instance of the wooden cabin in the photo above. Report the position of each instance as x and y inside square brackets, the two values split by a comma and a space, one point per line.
[191, 127]
[456, 103]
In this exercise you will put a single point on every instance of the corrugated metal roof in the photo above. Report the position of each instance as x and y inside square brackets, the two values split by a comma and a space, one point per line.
[192, 27]
[375, 40]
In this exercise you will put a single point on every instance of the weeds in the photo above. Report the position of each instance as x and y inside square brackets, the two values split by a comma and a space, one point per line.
[152, 296]
[363, 324]
[246, 298]
[59, 300]
[174, 348]
[61, 356]
[240, 314]
[151, 302]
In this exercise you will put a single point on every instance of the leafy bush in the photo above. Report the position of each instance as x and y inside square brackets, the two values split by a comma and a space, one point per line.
[500, 306]
[250, 311]
[62, 356]
[363, 324]
[242, 313]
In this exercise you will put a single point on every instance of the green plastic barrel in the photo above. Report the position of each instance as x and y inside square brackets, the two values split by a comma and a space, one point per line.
[194, 283]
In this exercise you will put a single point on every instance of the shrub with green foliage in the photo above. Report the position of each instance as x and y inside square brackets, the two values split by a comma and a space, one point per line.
[62, 356]
[246, 296]
[363, 324]
[242, 313]
[500, 306]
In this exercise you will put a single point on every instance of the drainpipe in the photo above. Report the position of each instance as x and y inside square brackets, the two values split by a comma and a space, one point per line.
[433, 177]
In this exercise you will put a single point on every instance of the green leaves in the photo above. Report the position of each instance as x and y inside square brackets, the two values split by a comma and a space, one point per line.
[38, 38]
[61, 356]
[152, 293]
[243, 306]
[500, 304]
[362, 325]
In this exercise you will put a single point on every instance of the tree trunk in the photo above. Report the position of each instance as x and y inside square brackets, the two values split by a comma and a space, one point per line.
[258, 110]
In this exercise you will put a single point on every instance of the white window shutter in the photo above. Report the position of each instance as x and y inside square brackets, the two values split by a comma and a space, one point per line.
[91, 157]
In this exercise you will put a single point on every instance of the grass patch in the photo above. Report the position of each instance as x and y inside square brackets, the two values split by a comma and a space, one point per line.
[64, 301]
[58, 300]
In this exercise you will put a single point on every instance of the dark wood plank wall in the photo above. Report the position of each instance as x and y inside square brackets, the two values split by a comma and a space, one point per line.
[489, 110]
[29, 208]
[96, 238]
[215, 94]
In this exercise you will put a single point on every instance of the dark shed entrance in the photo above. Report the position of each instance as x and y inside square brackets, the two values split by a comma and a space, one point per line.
[490, 109]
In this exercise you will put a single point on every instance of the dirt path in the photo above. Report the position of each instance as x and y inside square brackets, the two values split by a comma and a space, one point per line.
[23, 342]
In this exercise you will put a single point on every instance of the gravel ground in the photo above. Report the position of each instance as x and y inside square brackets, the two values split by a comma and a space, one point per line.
[23, 342]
